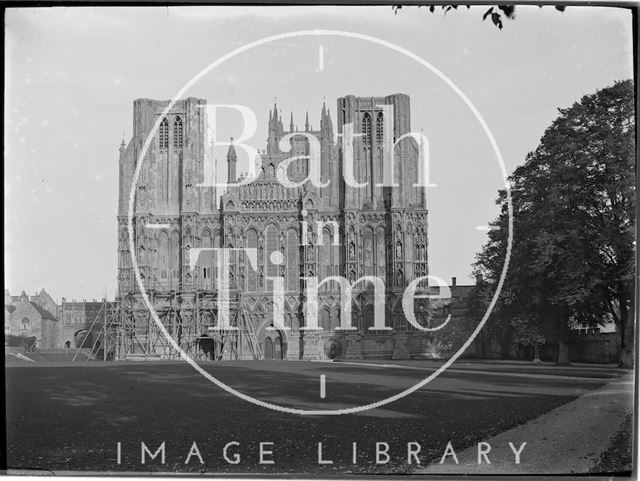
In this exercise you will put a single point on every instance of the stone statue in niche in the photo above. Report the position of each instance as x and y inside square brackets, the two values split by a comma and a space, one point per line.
[352, 250]
[352, 277]
[399, 277]
[398, 250]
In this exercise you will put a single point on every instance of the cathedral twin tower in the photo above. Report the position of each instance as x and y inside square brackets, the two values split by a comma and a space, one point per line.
[371, 230]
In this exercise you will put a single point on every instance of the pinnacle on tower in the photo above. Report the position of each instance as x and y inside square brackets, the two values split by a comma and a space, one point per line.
[232, 159]
[123, 145]
[291, 123]
[231, 153]
[306, 122]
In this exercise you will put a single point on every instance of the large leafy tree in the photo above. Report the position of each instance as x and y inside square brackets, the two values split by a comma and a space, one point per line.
[572, 259]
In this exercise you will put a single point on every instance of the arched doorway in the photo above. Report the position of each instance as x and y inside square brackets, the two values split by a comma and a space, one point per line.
[268, 349]
[273, 347]
[277, 348]
[273, 342]
[207, 346]
[333, 351]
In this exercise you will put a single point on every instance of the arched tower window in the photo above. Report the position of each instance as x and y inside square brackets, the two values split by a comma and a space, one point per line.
[367, 246]
[409, 256]
[325, 319]
[163, 134]
[293, 260]
[366, 129]
[205, 260]
[252, 243]
[379, 128]
[174, 258]
[272, 245]
[217, 243]
[163, 257]
[177, 133]
[325, 262]
[381, 249]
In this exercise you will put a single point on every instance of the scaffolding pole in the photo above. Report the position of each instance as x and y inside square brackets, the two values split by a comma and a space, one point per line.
[189, 317]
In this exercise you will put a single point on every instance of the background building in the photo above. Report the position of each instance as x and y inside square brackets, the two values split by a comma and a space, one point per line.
[54, 325]
[28, 318]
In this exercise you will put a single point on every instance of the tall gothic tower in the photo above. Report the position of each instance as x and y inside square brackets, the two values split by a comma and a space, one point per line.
[385, 227]
[166, 192]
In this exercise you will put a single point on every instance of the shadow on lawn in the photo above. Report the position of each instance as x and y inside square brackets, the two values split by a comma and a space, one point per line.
[72, 417]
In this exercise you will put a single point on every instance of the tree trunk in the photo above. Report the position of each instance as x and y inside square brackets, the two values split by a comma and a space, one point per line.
[626, 332]
[536, 353]
[563, 353]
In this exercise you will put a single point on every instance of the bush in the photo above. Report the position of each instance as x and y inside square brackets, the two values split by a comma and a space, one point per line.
[27, 343]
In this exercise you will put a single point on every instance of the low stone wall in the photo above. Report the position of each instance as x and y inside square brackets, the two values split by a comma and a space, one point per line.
[13, 350]
[598, 348]
[63, 350]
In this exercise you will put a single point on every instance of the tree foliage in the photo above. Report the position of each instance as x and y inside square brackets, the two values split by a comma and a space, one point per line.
[572, 258]
[496, 12]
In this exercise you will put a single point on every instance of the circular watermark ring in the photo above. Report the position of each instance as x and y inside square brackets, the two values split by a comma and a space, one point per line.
[318, 33]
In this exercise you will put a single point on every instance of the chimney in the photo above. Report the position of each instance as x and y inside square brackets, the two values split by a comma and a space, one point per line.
[479, 279]
[453, 282]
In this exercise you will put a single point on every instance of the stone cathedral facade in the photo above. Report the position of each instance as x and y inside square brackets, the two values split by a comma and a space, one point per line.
[352, 231]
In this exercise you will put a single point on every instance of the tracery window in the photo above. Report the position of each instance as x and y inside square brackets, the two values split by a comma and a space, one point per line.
[163, 134]
[366, 129]
[177, 133]
[379, 128]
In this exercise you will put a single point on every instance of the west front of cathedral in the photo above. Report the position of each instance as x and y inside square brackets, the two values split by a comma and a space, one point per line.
[351, 231]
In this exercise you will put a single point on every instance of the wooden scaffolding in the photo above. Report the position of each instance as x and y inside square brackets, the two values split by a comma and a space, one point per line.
[190, 318]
